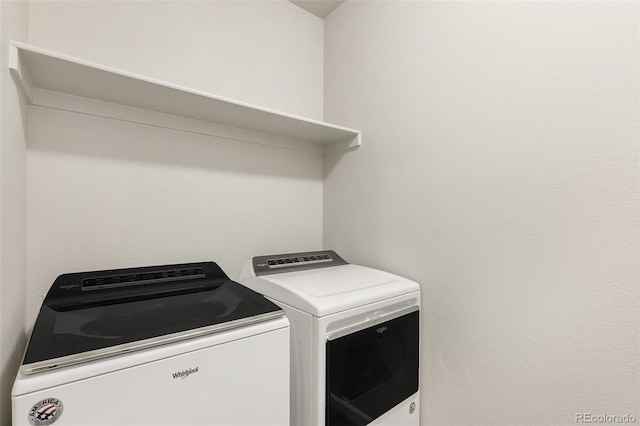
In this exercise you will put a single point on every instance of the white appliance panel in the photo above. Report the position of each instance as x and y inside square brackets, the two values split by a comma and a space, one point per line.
[240, 382]
[326, 291]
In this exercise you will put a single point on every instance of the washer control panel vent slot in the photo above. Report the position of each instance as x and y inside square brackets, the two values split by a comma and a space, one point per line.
[110, 281]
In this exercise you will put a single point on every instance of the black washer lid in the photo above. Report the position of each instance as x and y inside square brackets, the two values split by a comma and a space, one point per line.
[90, 315]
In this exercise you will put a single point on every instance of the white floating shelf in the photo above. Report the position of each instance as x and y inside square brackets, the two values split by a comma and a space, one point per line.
[37, 68]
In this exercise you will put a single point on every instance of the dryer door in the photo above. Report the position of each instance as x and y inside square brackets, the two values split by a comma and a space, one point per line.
[371, 370]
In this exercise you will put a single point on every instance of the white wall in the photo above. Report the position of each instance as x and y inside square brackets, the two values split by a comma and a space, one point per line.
[13, 26]
[268, 53]
[105, 193]
[499, 169]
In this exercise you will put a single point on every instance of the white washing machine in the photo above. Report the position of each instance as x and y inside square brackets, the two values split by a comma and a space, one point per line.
[354, 338]
[169, 345]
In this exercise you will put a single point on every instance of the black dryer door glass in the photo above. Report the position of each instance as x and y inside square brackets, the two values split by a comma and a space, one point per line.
[371, 371]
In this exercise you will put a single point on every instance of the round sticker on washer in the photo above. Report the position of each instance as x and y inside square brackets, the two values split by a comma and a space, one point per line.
[45, 412]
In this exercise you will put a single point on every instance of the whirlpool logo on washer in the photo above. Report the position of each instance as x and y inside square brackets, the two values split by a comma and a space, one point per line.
[185, 373]
[45, 412]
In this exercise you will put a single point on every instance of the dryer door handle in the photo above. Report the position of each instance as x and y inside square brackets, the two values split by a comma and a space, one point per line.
[341, 332]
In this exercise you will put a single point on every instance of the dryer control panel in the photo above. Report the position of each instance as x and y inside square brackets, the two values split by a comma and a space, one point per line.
[279, 263]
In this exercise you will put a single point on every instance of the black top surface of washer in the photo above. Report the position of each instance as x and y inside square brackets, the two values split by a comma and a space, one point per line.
[88, 311]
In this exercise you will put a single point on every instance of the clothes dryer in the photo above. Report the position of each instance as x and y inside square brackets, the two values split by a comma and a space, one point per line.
[166, 345]
[354, 338]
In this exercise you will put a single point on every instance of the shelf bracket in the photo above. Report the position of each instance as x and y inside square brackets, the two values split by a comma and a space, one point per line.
[19, 73]
[353, 142]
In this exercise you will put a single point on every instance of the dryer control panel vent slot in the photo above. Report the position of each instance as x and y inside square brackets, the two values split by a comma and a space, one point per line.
[275, 264]
[284, 262]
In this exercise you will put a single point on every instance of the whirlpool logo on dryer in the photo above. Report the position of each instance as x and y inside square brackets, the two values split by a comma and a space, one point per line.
[185, 373]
